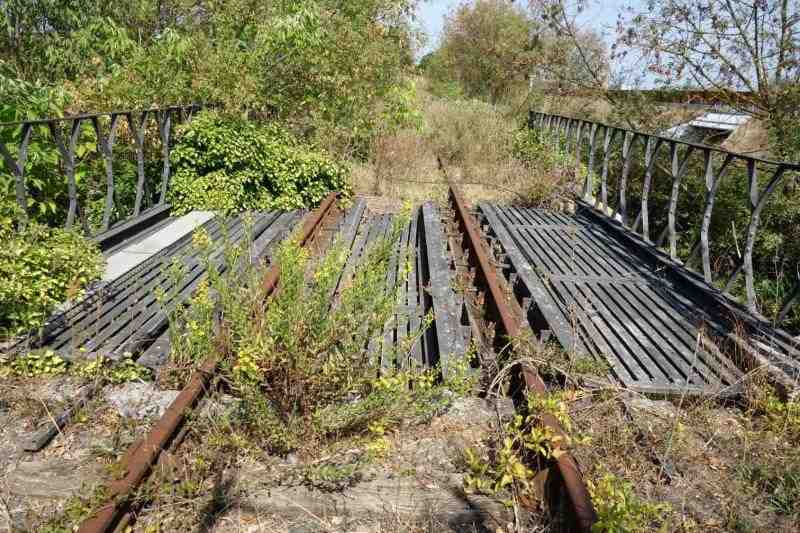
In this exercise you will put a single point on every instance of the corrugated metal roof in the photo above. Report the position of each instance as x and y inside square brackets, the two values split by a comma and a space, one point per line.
[720, 121]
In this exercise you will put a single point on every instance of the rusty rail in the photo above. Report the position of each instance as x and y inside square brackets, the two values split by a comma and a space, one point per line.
[142, 455]
[497, 308]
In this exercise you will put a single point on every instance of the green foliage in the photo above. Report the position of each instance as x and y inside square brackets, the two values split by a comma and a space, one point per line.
[552, 164]
[780, 485]
[330, 477]
[21, 100]
[531, 147]
[510, 466]
[619, 509]
[302, 353]
[49, 363]
[237, 165]
[311, 62]
[35, 364]
[780, 416]
[783, 131]
[306, 372]
[39, 269]
[400, 108]
[120, 372]
[77, 508]
[486, 48]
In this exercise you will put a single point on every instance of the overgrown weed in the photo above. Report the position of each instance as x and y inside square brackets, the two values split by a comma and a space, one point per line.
[311, 389]
[479, 145]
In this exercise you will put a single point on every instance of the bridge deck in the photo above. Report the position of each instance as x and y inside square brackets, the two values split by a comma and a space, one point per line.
[602, 301]
[152, 242]
[421, 262]
[123, 315]
[598, 295]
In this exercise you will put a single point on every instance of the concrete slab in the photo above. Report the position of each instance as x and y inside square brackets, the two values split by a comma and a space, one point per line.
[127, 258]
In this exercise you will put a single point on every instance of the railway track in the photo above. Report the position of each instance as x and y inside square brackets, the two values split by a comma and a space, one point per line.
[141, 457]
[567, 489]
[442, 243]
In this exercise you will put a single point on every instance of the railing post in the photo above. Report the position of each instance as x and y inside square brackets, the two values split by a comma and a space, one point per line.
[587, 185]
[578, 141]
[757, 202]
[164, 124]
[622, 207]
[17, 169]
[67, 151]
[678, 170]
[610, 132]
[556, 137]
[105, 145]
[651, 149]
[138, 130]
[712, 186]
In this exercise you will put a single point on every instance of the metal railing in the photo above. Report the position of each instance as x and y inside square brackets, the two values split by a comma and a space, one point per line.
[595, 146]
[64, 133]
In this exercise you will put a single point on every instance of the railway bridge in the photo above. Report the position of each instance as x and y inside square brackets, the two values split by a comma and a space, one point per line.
[639, 276]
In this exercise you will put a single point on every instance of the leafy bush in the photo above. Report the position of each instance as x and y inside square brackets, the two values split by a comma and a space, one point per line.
[39, 268]
[553, 167]
[235, 165]
[510, 469]
[31, 365]
[306, 372]
[619, 509]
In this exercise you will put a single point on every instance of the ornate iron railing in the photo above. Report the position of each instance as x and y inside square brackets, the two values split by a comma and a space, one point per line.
[144, 128]
[621, 168]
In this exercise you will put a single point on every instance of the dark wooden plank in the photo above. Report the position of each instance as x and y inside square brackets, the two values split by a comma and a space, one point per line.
[681, 334]
[109, 302]
[450, 341]
[555, 243]
[390, 329]
[278, 227]
[626, 345]
[598, 333]
[365, 226]
[545, 260]
[131, 227]
[114, 338]
[683, 368]
[149, 317]
[348, 232]
[533, 283]
[379, 226]
[413, 293]
[402, 320]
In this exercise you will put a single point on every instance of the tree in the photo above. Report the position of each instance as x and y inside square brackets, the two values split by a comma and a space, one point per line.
[574, 57]
[745, 51]
[314, 63]
[487, 47]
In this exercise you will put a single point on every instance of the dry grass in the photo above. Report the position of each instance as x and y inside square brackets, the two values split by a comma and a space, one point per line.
[695, 456]
[752, 138]
[466, 141]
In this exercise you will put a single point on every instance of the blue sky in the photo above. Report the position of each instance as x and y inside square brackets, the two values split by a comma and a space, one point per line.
[600, 14]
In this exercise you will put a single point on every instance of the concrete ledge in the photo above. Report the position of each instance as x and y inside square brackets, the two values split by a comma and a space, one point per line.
[127, 258]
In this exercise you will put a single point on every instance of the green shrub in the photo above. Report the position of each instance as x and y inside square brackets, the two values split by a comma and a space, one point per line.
[619, 509]
[553, 168]
[39, 268]
[237, 165]
[32, 365]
